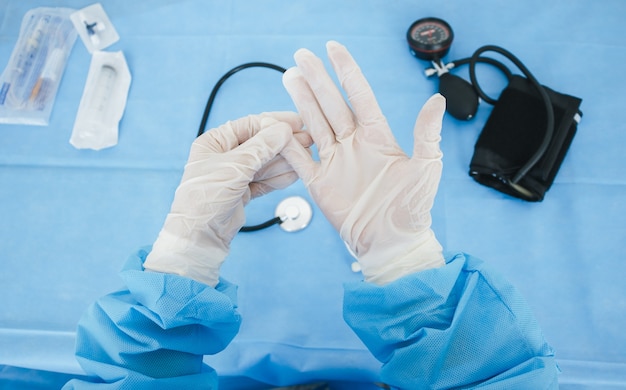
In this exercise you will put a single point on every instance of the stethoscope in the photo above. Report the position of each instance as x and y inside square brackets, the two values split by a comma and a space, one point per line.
[293, 213]
[429, 39]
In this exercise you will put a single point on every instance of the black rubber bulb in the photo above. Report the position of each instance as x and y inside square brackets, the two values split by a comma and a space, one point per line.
[461, 98]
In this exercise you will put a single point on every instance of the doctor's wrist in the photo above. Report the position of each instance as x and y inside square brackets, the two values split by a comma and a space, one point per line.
[383, 264]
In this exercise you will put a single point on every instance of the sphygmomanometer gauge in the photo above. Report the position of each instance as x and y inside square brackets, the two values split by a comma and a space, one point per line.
[430, 38]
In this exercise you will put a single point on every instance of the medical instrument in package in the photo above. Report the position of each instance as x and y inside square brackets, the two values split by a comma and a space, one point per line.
[94, 27]
[530, 128]
[30, 81]
[103, 102]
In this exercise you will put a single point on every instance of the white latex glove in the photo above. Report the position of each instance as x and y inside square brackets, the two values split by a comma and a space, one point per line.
[371, 192]
[227, 167]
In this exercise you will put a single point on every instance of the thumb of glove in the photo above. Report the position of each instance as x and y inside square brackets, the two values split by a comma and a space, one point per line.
[427, 131]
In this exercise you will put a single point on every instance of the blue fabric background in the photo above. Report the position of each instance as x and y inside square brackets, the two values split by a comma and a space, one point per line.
[71, 217]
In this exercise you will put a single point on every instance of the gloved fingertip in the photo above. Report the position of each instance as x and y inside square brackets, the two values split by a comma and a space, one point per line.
[291, 75]
[289, 117]
[427, 132]
[292, 72]
[267, 121]
[299, 158]
[304, 138]
[333, 45]
[438, 101]
[300, 53]
[279, 133]
[431, 116]
[282, 116]
[307, 61]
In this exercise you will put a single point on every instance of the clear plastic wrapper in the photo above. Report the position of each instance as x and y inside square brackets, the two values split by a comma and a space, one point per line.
[30, 81]
[94, 27]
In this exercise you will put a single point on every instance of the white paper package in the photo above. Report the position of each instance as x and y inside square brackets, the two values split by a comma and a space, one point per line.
[103, 102]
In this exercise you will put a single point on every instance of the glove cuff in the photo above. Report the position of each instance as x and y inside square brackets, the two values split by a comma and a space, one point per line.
[392, 261]
[175, 255]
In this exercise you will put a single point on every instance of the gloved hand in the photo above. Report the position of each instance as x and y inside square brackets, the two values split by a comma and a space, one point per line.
[371, 192]
[227, 167]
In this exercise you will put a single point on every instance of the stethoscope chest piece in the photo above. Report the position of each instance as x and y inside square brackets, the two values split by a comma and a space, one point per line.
[295, 213]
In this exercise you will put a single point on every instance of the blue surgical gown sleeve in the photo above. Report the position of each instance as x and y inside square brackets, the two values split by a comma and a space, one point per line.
[459, 326]
[154, 333]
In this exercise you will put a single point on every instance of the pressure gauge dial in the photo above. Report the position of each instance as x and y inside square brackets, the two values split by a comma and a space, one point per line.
[430, 38]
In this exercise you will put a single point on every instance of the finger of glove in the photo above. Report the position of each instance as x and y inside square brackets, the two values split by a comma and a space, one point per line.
[277, 173]
[233, 133]
[293, 119]
[279, 166]
[276, 167]
[300, 159]
[355, 84]
[259, 150]
[331, 101]
[247, 127]
[427, 131]
[259, 188]
[222, 139]
[304, 138]
[309, 109]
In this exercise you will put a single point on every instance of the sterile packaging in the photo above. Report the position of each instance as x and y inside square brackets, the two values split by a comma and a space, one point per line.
[94, 27]
[29, 83]
[103, 102]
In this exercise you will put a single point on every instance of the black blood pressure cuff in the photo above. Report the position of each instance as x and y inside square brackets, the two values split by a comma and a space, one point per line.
[513, 133]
